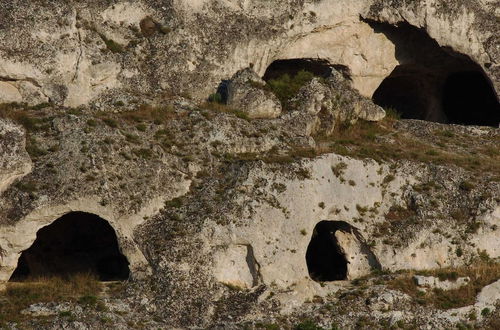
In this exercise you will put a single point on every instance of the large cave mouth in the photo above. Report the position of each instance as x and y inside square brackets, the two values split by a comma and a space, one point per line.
[325, 258]
[435, 83]
[76, 243]
[278, 68]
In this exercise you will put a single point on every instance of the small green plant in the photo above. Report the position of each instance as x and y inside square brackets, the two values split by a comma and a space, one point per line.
[91, 123]
[215, 98]
[110, 122]
[175, 203]
[392, 113]
[143, 153]
[485, 312]
[466, 186]
[89, 300]
[112, 45]
[388, 178]
[286, 87]
[65, 314]
[303, 232]
[307, 325]
[338, 170]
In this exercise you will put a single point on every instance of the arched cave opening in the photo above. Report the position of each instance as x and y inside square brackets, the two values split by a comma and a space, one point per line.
[324, 257]
[75, 243]
[435, 83]
[278, 68]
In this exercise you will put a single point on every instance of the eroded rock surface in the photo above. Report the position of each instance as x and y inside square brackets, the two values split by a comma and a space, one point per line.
[214, 212]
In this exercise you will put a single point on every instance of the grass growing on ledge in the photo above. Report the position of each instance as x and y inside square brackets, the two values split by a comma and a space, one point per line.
[382, 142]
[481, 274]
[20, 295]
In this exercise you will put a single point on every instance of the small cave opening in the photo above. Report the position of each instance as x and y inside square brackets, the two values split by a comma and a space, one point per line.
[77, 242]
[435, 83]
[318, 67]
[324, 257]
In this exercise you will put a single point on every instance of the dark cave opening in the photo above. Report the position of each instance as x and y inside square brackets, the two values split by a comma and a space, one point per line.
[318, 67]
[75, 243]
[324, 257]
[435, 83]
[469, 99]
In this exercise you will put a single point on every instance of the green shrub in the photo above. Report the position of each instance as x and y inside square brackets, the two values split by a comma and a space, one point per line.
[110, 122]
[286, 87]
[215, 98]
[392, 113]
[308, 325]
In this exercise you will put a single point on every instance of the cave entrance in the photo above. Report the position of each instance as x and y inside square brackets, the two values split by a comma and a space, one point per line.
[318, 67]
[469, 99]
[435, 83]
[76, 243]
[326, 261]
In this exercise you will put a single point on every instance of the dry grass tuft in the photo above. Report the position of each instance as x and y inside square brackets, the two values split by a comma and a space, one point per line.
[20, 295]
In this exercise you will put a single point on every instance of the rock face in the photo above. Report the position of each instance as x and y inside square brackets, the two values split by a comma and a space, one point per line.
[14, 160]
[216, 214]
[95, 53]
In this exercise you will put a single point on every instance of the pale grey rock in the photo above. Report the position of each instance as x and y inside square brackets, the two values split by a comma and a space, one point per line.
[334, 101]
[433, 282]
[245, 92]
[14, 160]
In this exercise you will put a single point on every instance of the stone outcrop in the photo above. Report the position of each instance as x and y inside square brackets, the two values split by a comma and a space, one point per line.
[334, 101]
[245, 92]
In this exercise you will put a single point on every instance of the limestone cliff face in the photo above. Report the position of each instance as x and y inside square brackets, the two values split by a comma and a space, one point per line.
[227, 213]
[76, 53]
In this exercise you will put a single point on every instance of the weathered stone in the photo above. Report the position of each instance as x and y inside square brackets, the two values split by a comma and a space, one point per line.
[14, 160]
[245, 93]
[435, 283]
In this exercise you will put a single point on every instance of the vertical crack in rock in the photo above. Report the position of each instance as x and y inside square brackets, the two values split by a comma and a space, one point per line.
[253, 265]
[79, 59]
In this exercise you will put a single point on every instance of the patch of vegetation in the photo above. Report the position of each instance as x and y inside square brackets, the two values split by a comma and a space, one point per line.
[286, 87]
[175, 203]
[143, 153]
[112, 45]
[339, 169]
[392, 113]
[110, 122]
[215, 98]
[19, 295]
[28, 186]
[33, 148]
[481, 274]
[308, 325]
[466, 186]
[358, 141]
